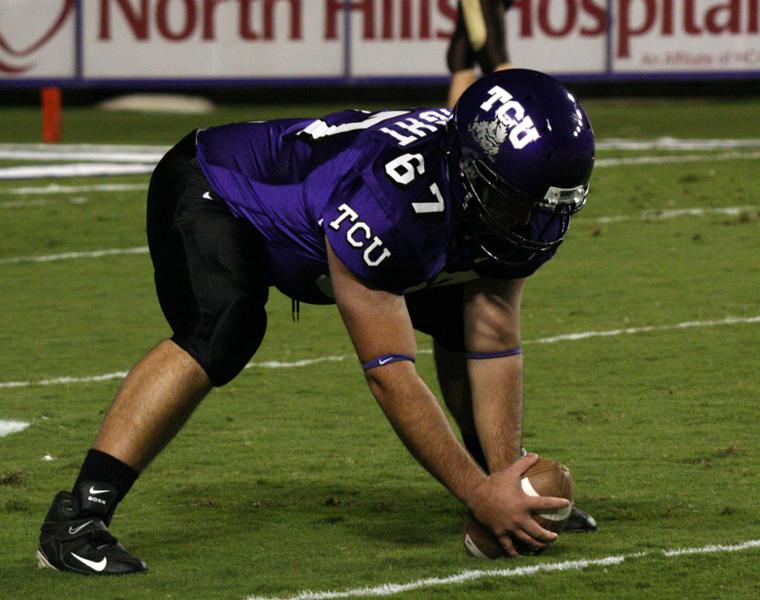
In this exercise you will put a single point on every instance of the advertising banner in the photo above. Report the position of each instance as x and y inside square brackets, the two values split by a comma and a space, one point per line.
[204, 42]
[37, 39]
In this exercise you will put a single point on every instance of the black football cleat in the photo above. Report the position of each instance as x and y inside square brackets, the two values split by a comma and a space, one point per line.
[75, 537]
[579, 522]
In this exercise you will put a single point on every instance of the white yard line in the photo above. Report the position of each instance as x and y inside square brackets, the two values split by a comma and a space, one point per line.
[8, 427]
[107, 169]
[95, 155]
[55, 148]
[391, 589]
[686, 158]
[306, 362]
[673, 144]
[145, 157]
[673, 213]
[652, 215]
[74, 170]
[584, 335]
[46, 151]
[55, 188]
[70, 255]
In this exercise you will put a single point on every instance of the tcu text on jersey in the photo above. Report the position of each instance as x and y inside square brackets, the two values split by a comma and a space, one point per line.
[511, 114]
[346, 212]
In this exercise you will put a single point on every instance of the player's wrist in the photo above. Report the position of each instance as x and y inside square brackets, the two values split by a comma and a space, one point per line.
[478, 493]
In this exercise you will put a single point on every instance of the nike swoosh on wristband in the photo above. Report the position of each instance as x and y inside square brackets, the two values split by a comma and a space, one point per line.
[95, 566]
[75, 530]
[383, 361]
[94, 491]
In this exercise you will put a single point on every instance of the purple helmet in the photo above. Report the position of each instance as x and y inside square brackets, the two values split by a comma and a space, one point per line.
[524, 149]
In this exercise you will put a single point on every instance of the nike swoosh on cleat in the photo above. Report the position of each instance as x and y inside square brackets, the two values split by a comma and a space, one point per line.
[94, 491]
[75, 530]
[95, 566]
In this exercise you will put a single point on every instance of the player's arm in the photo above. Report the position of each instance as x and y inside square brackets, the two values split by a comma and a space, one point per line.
[379, 325]
[492, 328]
[495, 368]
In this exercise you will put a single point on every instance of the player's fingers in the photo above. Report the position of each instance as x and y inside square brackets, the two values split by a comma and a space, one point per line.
[527, 540]
[509, 546]
[538, 533]
[525, 463]
[547, 504]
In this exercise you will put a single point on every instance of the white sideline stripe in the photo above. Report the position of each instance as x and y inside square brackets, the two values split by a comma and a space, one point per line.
[391, 589]
[121, 156]
[148, 159]
[8, 427]
[656, 215]
[105, 169]
[74, 170]
[55, 188]
[669, 143]
[645, 216]
[306, 362]
[70, 255]
[713, 548]
[584, 335]
[92, 148]
[663, 143]
[65, 380]
[686, 158]
[24, 203]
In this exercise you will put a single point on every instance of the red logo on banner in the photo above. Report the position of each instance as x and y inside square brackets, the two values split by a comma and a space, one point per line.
[47, 34]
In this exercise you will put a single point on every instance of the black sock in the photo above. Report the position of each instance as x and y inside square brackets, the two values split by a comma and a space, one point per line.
[101, 467]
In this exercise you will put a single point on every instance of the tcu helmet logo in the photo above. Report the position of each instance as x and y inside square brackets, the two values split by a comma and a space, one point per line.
[16, 54]
[509, 122]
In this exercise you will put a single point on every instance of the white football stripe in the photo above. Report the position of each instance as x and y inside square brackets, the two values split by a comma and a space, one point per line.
[557, 515]
[527, 487]
[472, 547]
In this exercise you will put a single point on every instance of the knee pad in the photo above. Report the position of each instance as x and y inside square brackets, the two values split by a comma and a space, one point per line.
[225, 349]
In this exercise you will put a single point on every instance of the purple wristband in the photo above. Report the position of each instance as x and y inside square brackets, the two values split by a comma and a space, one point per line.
[385, 359]
[481, 355]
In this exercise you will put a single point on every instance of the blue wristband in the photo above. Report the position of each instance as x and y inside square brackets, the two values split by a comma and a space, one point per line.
[385, 359]
[481, 355]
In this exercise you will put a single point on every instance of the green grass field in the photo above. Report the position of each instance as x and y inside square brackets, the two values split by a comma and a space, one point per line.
[290, 479]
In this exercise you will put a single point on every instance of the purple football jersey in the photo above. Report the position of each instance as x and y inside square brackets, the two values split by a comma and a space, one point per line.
[374, 184]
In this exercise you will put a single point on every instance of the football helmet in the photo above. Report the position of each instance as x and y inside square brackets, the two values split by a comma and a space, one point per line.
[521, 151]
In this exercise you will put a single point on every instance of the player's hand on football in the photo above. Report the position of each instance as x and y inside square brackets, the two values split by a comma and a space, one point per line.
[500, 503]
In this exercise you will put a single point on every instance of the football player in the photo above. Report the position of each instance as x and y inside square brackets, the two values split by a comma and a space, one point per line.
[404, 219]
[479, 38]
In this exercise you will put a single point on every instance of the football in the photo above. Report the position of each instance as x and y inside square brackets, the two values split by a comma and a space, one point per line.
[545, 478]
